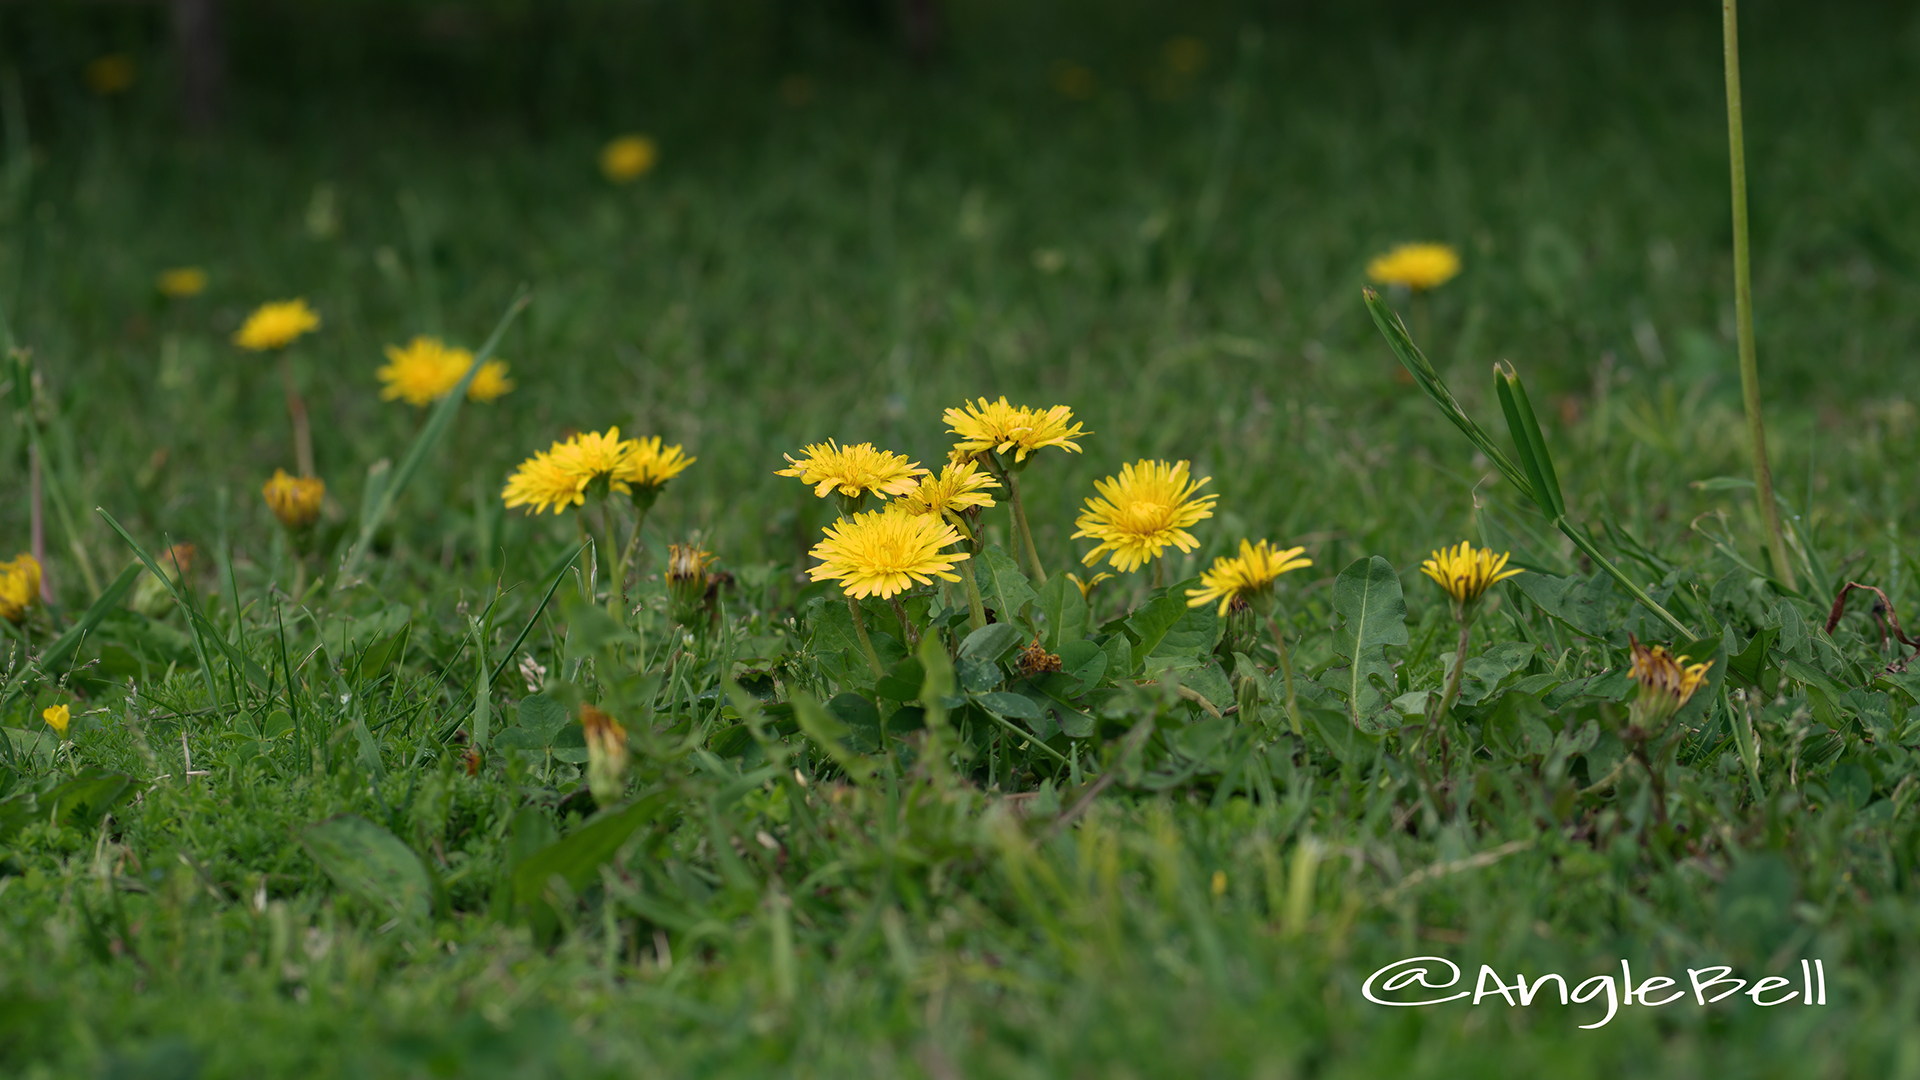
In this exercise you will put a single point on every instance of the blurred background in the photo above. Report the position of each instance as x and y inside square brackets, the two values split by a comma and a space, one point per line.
[857, 212]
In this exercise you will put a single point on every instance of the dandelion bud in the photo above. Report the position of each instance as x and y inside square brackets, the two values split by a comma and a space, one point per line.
[19, 587]
[606, 755]
[295, 500]
[1665, 685]
[687, 582]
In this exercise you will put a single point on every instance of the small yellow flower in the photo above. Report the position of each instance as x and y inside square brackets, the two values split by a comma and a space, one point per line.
[181, 282]
[109, 74]
[418, 373]
[606, 755]
[1665, 685]
[628, 158]
[295, 500]
[957, 488]
[1416, 266]
[1466, 573]
[648, 464]
[1142, 511]
[884, 552]
[275, 325]
[57, 718]
[1248, 576]
[853, 471]
[490, 383]
[1000, 427]
[567, 472]
[19, 586]
[1086, 587]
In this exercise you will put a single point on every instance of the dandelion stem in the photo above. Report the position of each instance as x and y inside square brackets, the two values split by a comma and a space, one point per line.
[297, 412]
[1286, 673]
[860, 628]
[976, 610]
[633, 542]
[907, 630]
[1743, 305]
[617, 593]
[1034, 571]
[1438, 712]
[1159, 573]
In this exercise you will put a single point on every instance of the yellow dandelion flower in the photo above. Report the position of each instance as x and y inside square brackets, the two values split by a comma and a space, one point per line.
[1139, 513]
[19, 586]
[1248, 576]
[181, 282]
[957, 488]
[1416, 266]
[275, 325]
[490, 383]
[1466, 573]
[884, 552]
[1000, 427]
[421, 372]
[295, 500]
[566, 473]
[1665, 684]
[648, 464]
[853, 471]
[108, 75]
[57, 718]
[628, 158]
[540, 482]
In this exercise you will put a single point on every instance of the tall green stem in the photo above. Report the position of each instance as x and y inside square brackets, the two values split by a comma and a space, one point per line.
[1437, 712]
[860, 628]
[1034, 571]
[976, 609]
[297, 413]
[1286, 672]
[1743, 305]
[617, 594]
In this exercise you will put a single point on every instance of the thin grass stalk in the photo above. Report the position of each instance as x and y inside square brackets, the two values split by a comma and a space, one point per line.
[1743, 306]
[297, 413]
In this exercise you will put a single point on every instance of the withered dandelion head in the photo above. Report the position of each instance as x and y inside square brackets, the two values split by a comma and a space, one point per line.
[1466, 572]
[1666, 683]
[1141, 512]
[1000, 427]
[295, 500]
[1415, 266]
[853, 471]
[885, 552]
[19, 586]
[275, 325]
[606, 755]
[1248, 576]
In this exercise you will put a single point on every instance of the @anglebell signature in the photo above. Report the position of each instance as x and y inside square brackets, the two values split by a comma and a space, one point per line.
[1424, 980]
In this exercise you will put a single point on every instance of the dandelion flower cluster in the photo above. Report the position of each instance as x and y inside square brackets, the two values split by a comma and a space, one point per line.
[853, 471]
[295, 500]
[958, 488]
[596, 463]
[1415, 266]
[19, 586]
[1666, 683]
[1466, 573]
[1141, 512]
[427, 369]
[276, 325]
[181, 282]
[885, 552]
[999, 427]
[1248, 576]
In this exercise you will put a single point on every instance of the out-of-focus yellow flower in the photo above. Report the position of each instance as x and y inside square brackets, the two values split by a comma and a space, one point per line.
[541, 482]
[1416, 266]
[490, 383]
[181, 282]
[606, 755]
[589, 463]
[628, 158]
[957, 488]
[19, 586]
[108, 75]
[1000, 427]
[295, 500]
[1248, 576]
[1076, 81]
[1666, 683]
[426, 369]
[275, 325]
[1466, 573]
[853, 471]
[57, 718]
[1186, 55]
[884, 552]
[1141, 512]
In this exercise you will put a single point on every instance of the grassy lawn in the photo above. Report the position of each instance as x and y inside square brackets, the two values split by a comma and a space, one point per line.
[394, 853]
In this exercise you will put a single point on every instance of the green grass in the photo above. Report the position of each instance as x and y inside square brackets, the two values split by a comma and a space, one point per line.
[845, 902]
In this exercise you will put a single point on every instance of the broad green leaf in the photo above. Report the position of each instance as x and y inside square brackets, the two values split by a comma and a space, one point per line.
[992, 642]
[372, 864]
[1373, 616]
[829, 733]
[576, 859]
[541, 716]
[1007, 590]
[1065, 611]
[1014, 706]
[1151, 623]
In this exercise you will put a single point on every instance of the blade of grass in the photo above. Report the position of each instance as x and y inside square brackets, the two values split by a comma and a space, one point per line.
[64, 645]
